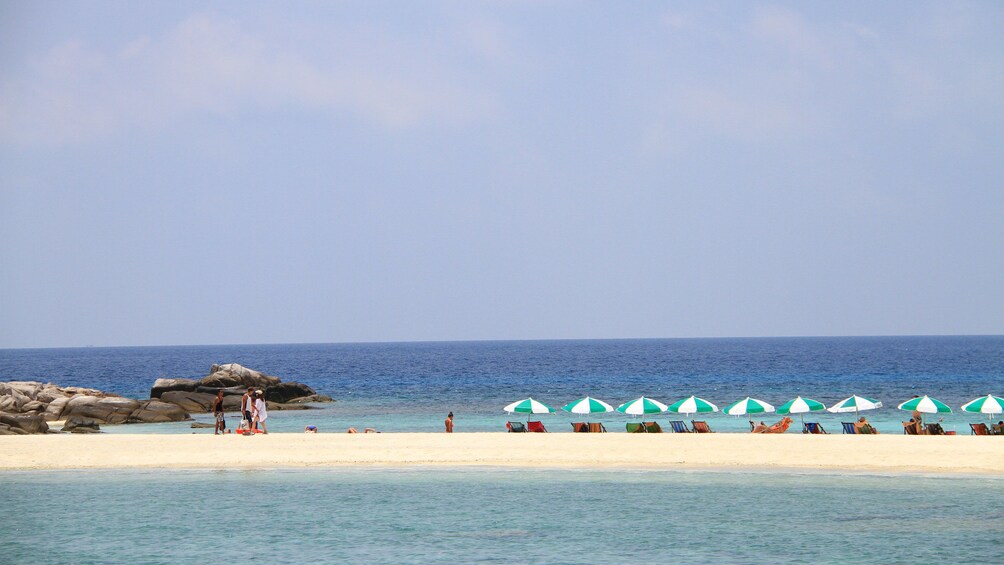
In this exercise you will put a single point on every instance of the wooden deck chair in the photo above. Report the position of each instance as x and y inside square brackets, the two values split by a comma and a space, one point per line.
[635, 428]
[536, 426]
[652, 427]
[910, 428]
[580, 427]
[980, 430]
[515, 427]
[597, 427]
[848, 427]
[813, 428]
[679, 427]
[701, 427]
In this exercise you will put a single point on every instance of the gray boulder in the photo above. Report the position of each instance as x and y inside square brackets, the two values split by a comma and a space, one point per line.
[109, 410]
[233, 375]
[156, 411]
[54, 410]
[284, 392]
[203, 426]
[81, 425]
[29, 424]
[160, 386]
[190, 401]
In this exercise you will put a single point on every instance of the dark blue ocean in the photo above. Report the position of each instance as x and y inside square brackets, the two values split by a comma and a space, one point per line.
[411, 386]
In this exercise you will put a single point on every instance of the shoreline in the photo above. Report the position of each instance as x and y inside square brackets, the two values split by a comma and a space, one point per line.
[943, 455]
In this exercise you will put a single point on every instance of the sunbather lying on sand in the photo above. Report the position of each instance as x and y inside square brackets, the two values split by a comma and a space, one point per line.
[367, 430]
[778, 428]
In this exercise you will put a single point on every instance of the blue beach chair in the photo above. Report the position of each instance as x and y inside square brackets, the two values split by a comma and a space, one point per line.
[679, 427]
[848, 427]
[813, 428]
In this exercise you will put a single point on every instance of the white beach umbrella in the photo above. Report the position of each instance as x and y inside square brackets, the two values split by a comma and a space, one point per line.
[854, 404]
[587, 405]
[692, 405]
[748, 406]
[988, 405]
[799, 405]
[642, 405]
[528, 406]
[926, 405]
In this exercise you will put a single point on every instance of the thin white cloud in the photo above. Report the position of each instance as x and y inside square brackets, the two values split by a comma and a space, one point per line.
[209, 64]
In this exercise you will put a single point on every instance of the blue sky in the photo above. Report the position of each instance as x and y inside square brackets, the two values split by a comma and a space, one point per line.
[242, 172]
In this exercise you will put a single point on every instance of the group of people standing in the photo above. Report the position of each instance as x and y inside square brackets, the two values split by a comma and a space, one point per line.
[254, 412]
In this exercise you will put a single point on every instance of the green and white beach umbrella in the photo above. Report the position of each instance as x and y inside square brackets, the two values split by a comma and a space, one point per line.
[799, 405]
[587, 405]
[529, 406]
[642, 405]
[854, 404]
[748, 406]
[692, 405]
[988, 404]
[926, 404]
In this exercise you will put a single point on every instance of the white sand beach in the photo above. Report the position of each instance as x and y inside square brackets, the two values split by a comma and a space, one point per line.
[884, 453]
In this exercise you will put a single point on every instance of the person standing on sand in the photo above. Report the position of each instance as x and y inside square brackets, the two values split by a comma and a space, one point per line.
[260, 411]
[247, 405]
[449, 423]
[221, 424]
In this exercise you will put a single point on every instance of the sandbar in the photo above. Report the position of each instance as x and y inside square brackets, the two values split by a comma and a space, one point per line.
[888, 453]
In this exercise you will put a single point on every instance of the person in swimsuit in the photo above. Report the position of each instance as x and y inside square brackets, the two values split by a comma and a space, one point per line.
[221, 424]
[449, 423]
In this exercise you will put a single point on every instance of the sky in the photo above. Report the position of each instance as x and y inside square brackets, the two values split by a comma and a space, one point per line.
[264, 172]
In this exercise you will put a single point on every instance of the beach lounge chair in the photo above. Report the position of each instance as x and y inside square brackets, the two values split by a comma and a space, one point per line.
[537, 426]
[635, 428]
[910, 428]
[679, 427]
[597, 427]
[848, 427]
[935, 429]
[813, 428]
[701, 427]
[515, 426]
[652, 427]
[980, 430]
[580, 427]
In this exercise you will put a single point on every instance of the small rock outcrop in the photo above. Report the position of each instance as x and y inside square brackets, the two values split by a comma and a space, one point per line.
[160, 386]
[234, 379]
[29, 402]
[81, 425]
[23, 423]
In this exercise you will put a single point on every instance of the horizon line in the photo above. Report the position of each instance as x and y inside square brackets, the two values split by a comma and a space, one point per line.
[443, 341]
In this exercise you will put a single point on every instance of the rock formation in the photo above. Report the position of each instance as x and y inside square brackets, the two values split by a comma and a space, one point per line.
[26, 406]
[234, 379]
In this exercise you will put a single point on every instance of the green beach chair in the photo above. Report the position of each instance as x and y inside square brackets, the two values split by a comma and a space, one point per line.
[652, 427]
[635, 428]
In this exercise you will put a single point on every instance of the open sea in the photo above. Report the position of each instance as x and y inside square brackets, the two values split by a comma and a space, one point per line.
[412, 386]
[494, 515]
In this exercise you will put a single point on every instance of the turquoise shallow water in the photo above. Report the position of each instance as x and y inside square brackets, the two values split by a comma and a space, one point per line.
[492, 515]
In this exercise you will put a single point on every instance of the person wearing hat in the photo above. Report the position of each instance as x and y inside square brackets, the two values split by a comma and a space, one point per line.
[260, 411]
